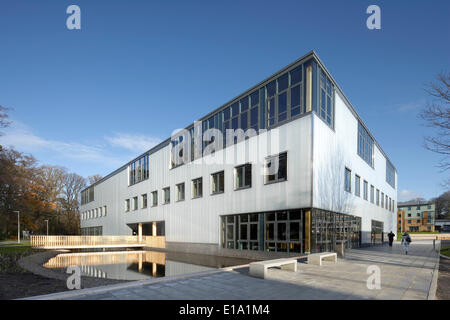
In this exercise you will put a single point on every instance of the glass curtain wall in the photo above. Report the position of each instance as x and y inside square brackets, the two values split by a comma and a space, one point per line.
[328, 227]
[280, 231]
[377, 232]
[284, 231]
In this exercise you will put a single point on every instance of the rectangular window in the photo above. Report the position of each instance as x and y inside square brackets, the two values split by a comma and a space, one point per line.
[390, 173]
[326, 99]
[104, 211]
[244, 104]
[378, 197]
[372, 194]
[382, 199]
[166, 193]
[386, 202]
[365, 190]
[197, 188]
[365, 145]
[282, 107]
[254, 111]
[357, 186]
[87, 195]
[180, 191]
[144, 201]
[243, 176]
[127, 205]
[217, 182]
[348, 180]
[138, 170]
[295, 100]
[135, 203]
[276, 168]
[154, 198]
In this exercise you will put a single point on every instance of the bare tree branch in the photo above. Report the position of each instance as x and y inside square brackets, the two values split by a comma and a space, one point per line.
[4, 117]
[437, 115]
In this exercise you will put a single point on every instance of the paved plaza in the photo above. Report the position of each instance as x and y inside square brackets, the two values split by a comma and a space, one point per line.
[402, 277]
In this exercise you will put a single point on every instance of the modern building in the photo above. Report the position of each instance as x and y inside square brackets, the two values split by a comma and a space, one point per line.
[416, 216]
[303, 173]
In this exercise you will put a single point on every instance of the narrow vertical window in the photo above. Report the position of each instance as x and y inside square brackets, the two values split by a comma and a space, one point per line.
[308, 88]
[166, 193]
[348, 180]
[197, 188]
[243, 176]
[218, 185]
[144, 201]
[135, 203]
[357, 186]
[154, 198]
[365, 190]
[180, 191]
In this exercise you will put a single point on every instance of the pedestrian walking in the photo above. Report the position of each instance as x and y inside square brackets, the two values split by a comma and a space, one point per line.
[406, 240]
[391, 236]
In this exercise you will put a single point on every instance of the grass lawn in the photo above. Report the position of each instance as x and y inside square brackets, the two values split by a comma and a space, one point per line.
[400, 234]
[8, 250]
[10, 255]
[446, 251]
[22, 243]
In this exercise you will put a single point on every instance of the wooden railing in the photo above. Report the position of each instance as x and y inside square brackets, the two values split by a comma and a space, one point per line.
[154, 241]
[73, 242]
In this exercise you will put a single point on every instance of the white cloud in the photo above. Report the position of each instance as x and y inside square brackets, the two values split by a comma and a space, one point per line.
[133, 142]
[23, 139]
[406, 195]
[410, 106]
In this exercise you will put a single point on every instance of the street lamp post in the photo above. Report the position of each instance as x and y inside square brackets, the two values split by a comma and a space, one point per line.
[18, 226]
[47, 226]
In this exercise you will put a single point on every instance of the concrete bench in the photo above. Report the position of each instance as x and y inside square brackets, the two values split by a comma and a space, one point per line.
[259, 269]
[316, 258]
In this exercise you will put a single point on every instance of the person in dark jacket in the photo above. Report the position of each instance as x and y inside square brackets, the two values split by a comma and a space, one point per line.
[391, 236]
[406, 240]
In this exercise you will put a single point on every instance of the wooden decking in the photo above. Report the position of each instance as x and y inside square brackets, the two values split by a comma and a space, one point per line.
[86, 242]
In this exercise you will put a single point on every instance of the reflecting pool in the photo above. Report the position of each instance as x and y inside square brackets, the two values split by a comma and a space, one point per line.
[139, 265]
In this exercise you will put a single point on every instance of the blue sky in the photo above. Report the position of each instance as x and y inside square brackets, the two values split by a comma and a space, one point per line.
[92, 99]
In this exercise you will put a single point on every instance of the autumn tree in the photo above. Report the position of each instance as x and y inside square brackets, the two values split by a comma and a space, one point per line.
[93, 179]
[17, 172]
[70, 201]
[4, 122]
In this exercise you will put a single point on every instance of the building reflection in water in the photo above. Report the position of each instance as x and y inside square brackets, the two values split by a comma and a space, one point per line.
[124, 265]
